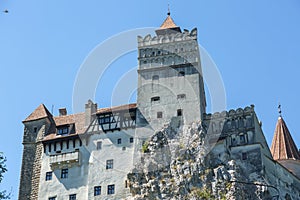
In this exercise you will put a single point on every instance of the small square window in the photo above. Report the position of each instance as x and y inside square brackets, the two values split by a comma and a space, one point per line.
[119, 141]
[97, 190]
[155, 78]
[123, 148]
[52, 198]
[155, 99]
[181, 73]
[109, 164]
[179, 112]
[99, 145]
[181, 96]
[64, 173]
[72, 197]
[48, 176]
[131, 140]
[110, 189]
[159, 114]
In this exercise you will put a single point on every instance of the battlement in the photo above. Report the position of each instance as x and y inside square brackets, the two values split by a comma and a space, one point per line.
[167, 38]
[175, 49]
[233, 113]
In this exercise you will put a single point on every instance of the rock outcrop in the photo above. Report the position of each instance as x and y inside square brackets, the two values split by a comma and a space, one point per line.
[181, 164]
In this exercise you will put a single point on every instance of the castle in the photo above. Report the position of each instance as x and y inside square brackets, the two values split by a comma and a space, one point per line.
[94, 154]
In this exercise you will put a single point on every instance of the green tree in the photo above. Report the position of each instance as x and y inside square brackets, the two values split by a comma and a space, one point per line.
[3, 169]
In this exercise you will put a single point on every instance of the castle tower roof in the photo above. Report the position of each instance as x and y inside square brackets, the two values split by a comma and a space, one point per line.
[39, 113]
[168, 26]
[168, 23]
[283, 146]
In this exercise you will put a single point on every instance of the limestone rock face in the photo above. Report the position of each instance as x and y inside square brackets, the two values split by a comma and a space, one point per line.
[179, 164]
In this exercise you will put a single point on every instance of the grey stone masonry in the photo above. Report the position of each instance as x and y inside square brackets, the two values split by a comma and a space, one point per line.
[31, 160]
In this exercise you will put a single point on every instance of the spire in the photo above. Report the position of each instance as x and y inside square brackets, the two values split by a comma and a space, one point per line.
[283, 146]
[168, 23]
[279, 109]
[168, 26]
[40, 112]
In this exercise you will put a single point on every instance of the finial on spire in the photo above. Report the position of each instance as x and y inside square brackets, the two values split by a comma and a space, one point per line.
[169, 13]
[279, 109]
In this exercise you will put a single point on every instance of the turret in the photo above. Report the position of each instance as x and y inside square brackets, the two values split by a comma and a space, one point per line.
[37, 124]
[284, 149]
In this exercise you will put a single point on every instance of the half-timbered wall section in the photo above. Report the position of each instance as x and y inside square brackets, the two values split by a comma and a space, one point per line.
[117, 120]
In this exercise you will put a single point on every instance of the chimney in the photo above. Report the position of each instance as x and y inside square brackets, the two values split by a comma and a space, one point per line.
[62, 111]
[90, 112]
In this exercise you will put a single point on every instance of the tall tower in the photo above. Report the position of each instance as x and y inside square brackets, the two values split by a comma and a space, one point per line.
[36, 125]
[170, 81]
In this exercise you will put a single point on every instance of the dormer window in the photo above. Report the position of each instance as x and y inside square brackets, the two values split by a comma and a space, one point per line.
[63, 130]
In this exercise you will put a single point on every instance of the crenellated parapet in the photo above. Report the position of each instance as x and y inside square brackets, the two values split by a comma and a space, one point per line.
[240, 112]
[168, 50]
[237, 124]
[167, 38]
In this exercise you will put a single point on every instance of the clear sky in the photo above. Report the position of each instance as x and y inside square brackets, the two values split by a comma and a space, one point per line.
[254, 43]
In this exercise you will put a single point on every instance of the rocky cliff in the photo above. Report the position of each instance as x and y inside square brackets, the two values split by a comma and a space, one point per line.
[180, 163]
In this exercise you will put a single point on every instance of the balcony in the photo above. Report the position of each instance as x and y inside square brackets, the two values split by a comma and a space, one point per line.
[65, 159]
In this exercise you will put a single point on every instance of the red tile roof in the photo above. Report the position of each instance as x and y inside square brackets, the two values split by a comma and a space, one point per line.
[117, 108]
[168, 23]
[283, 145]
[79, 120]
[39, 113]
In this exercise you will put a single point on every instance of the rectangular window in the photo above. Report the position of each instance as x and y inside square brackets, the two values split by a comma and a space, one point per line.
[97, 190]
[159, 114]
[109, 164]
[64, 173]
[110, 189]
[52, 198]
[181, 96]
[72, 197]
[105, 119]
[179, 112]
[63, 130]
[244, 156]
[99, 145]
[131, 140]
[155, 99]
[48, 176]
[119, 141]
[242, 139]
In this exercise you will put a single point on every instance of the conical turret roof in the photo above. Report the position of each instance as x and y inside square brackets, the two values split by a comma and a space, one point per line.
[168, 26]
[283, 146]
[168, 23]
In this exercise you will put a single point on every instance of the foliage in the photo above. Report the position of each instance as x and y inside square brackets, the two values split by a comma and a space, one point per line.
[2, 166]
[3, 169]
[145, 147]
[203, 193]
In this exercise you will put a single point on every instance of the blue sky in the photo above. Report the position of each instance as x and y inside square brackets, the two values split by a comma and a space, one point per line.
[255, 45]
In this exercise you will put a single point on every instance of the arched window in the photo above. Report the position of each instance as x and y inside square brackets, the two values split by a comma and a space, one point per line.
[155, 78]
[181, 73]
